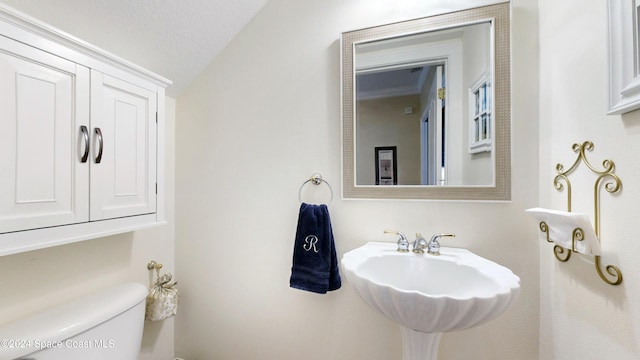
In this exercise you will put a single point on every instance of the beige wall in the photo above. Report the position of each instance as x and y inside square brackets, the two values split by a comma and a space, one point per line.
[582, 317]
[383, 122]
[39, 279]
[259, 121]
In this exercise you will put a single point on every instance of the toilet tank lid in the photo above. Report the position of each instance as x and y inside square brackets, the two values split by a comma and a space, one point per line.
[69, 319]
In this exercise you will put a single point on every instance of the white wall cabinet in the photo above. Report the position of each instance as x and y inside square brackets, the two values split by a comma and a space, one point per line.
[43, 100]
[123, 172]
[81, 139]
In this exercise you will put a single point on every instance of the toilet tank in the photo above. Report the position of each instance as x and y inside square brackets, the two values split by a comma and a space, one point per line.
[104, 325]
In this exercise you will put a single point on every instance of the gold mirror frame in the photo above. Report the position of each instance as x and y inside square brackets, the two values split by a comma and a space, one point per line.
[501, 189]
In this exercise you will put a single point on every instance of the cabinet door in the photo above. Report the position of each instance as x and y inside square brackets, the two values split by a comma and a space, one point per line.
[44, 101]
[123, 164]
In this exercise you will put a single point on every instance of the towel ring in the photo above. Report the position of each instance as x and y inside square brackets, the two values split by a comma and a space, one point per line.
[316, 179]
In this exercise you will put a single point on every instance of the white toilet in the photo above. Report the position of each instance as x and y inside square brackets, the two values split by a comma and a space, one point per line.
[104, 325]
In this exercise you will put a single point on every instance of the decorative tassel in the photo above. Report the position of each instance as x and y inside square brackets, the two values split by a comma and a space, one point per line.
[162, 301]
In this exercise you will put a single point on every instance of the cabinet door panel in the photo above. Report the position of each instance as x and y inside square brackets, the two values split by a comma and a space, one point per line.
[43, 102]
[123, 182]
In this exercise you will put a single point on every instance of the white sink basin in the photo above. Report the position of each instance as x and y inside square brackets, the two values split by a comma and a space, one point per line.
[430, 294]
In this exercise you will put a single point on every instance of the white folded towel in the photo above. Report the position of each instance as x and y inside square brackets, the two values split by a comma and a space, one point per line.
[561, 225]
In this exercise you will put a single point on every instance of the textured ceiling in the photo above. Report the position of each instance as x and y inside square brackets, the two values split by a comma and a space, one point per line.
[176, 39]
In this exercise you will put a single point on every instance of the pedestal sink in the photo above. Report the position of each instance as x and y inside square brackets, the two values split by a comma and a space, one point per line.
[428, 295]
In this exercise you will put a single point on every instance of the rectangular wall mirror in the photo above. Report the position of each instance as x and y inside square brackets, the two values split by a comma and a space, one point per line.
[437, 90]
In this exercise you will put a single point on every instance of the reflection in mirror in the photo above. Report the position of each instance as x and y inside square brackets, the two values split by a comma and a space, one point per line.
[437, 91]
[403, 87]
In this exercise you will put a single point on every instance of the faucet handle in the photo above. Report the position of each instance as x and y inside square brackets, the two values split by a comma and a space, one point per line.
[434, 245]
[445, 235]
[403, 243]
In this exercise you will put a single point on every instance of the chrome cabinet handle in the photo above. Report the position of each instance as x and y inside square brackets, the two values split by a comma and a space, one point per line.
[99, 157]
[85, 136]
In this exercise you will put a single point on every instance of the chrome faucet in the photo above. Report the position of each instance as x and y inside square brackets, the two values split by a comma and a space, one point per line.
[419, 244]
[403, 243]
[434, 245]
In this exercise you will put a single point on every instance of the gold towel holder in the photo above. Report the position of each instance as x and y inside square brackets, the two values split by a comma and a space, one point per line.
[612, 184]
[153, 265]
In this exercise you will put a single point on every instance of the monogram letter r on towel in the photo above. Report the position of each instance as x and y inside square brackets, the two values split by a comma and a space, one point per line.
[310, 243]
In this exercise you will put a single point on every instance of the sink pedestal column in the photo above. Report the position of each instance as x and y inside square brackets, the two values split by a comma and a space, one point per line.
[418, 345]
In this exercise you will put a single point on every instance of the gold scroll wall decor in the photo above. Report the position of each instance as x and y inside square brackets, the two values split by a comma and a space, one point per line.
[606, 180]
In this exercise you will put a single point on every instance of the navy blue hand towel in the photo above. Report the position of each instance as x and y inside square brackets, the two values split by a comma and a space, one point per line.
[315, 265]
